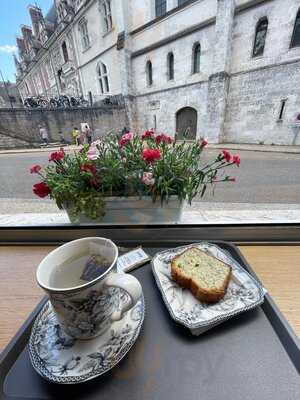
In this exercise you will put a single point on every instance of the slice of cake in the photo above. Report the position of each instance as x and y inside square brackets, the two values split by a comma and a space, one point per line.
[204, 275]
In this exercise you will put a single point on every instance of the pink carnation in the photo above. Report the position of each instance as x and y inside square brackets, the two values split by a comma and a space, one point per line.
[127, 137]
[92, 153]
[148, 179]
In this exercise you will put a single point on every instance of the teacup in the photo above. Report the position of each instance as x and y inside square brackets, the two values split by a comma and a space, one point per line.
[88, 309]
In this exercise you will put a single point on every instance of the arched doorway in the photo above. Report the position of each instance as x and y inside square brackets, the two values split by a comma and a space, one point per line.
[186, 123]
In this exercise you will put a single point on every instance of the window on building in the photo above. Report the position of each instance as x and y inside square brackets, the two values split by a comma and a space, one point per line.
[180, 2]
[105, 8]
[83, 29]
[49, 68]
[65, 51]
[196, 58]
[103, 78]
[160, 7]
[149, 73]
[282, 109]
[170, 64]
[260, 37]
[296, 33]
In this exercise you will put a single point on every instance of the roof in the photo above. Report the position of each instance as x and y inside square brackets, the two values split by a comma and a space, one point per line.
[52, 15]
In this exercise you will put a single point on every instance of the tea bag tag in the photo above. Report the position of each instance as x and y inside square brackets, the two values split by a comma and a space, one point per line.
[133, 259]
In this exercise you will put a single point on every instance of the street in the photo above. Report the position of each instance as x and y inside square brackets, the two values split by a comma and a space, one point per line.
[263, 177]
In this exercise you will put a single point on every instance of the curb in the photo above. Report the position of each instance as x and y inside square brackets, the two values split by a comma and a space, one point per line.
[36, 150]
[282, 150]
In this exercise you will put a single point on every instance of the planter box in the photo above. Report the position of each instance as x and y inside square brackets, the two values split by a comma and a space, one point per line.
[136, 210]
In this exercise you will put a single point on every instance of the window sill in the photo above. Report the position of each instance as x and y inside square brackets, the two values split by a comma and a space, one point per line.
[203, 213]
[260, 57]
[86, 49]
[108, 32]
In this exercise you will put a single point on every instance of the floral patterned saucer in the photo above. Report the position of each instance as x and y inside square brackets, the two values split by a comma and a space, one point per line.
[243, 292]
[59, 358]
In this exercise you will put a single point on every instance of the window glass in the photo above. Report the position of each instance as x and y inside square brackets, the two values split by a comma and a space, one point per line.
[149, 73]
[114, 66]
[260, 37]
[83, 29]
[160, 7]
[296, 33]
[196, 58]
[103, 78]
[105, 8]
[170, 62]
[65, 51]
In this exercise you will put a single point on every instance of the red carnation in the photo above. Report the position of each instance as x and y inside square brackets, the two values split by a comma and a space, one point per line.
[203, 143]
[57, 155]
[127, 137]
[91, 168]
[147, 134]
[236, 160]
[151, 155]
[35, 169]
[163, 138]
[41, 189]
[226, 155]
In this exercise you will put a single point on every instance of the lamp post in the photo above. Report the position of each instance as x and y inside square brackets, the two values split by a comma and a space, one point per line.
[6, 89]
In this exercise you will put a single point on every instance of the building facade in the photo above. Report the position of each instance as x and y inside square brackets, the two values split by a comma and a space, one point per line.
[227, 70]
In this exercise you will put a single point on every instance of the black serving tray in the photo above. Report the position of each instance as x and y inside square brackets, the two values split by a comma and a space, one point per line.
[253, 356]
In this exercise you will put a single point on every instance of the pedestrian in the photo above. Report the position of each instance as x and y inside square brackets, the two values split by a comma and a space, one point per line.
[88, 134]
[76, 136]
[61, 138]
[44, 134]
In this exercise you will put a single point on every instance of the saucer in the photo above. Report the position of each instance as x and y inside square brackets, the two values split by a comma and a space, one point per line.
[60, 358]
[243, 293]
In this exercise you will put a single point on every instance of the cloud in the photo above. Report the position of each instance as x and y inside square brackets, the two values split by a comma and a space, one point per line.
[8, 49]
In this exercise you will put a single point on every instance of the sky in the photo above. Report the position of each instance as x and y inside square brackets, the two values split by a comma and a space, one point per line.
[13, 14]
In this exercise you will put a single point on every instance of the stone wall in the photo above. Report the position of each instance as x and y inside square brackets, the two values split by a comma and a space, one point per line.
[24, 124]
[9, 142]
[254, 103]
[162, 106]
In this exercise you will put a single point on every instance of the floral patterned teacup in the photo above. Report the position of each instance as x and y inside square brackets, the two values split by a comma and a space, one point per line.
[88, 309]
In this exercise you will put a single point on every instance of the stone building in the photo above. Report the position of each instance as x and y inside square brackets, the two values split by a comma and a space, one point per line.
[9, 95]
[227, 70]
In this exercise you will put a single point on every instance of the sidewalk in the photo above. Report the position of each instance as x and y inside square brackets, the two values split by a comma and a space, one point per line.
[229, 146]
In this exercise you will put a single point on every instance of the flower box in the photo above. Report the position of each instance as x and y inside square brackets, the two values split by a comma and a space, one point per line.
[131, 178]
[135, 210]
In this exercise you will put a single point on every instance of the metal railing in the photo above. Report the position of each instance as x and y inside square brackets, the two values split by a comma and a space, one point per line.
[66, 102]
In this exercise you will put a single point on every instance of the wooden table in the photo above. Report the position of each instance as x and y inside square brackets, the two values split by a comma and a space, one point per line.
[278, 267]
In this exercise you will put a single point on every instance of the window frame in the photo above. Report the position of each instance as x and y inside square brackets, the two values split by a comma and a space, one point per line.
[149, 73]
[297, 18]
[102, 75]
[282, 109]
[106, 13]
[196, 55]
[160, 5]
[259, 23]
[170, 66]
[252, 233]
[65, 51]
[84, 34]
